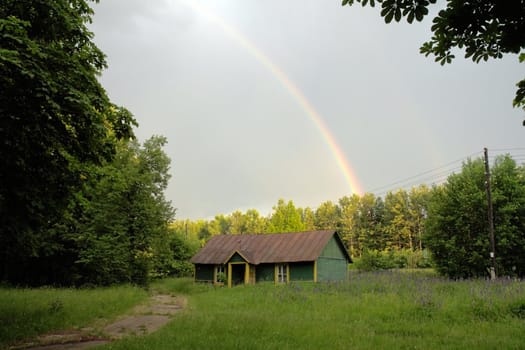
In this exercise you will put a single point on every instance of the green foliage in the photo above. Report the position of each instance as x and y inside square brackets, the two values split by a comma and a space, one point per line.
[54, 116]
[327, 216]
[174, 259]
[285, 218]
[254, 222]
[115, 228]
[484, 28]
[373, 260]
[367, 224]
[127, 216]
[308, 218]
[457, 230]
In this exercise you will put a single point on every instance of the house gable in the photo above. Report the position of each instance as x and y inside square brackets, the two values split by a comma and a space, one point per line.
[332, 264]
[237, 257]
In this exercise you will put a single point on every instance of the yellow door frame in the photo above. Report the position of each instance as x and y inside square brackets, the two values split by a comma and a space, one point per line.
[246, 272]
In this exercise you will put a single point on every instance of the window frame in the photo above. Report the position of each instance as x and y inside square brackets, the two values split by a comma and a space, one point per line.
[282, 273]
[220, 269]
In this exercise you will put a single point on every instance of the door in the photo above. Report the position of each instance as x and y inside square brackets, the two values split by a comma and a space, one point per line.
[238, 273]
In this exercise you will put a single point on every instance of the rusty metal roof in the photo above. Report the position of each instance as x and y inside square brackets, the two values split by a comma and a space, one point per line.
[266, 248]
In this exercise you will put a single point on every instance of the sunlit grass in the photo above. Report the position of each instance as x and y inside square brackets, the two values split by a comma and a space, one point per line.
[25, 313]
[390, 310]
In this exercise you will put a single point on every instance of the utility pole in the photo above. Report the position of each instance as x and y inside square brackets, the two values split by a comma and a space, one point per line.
[491, 217]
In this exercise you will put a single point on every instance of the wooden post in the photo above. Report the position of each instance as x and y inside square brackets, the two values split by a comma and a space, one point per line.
[247, 274]
[491, 217]
[229, 275]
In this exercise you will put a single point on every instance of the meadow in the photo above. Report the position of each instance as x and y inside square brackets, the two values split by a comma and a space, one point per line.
[385, 310]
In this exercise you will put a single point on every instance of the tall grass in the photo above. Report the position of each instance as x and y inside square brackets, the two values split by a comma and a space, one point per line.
[25, 313]
[388, 310]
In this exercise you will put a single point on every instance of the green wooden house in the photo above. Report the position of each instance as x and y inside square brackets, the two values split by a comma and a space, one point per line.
[246, 259]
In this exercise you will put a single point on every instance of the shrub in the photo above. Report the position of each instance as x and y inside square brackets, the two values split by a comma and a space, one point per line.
[373, 260]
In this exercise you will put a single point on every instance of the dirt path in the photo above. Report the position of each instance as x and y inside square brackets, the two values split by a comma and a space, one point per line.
[142, 320]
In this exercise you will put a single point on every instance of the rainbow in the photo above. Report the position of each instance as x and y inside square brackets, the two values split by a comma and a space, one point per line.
[348, 174]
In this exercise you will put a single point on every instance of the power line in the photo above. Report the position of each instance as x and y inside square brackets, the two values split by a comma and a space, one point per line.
[513, 156]
[507, 149]
[440, 174]
[434, 179]
[423, 173]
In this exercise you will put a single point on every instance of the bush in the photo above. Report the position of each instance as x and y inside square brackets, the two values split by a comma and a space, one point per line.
[373, 260]
[181, 268]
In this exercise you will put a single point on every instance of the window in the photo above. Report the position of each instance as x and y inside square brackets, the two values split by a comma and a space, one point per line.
[282, 273]
[220, 275]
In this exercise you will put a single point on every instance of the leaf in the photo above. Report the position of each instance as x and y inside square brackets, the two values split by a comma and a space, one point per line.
[410, 17]
[389, 16]
[398, 14]
[426, 48]
[519, 99]
[421, 12]
[388, 11]
[522, 57]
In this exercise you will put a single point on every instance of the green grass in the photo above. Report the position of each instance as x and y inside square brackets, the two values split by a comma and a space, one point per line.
[388, 310]
[25, 313]
[391, 310]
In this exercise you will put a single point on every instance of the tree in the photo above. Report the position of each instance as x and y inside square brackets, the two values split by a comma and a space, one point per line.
[54, 117]
[508, 199]
[172, 254]
[484, 28]
[327, 216]
[398, 227]
[220, 225]
[418, 208]
[456, 229]
[285, 218]
[308, 218]
[349, 207]
[368, 224]
[255, 223]
[127, 214]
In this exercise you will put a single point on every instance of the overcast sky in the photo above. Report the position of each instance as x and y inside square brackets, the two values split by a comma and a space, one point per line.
[238, 138]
